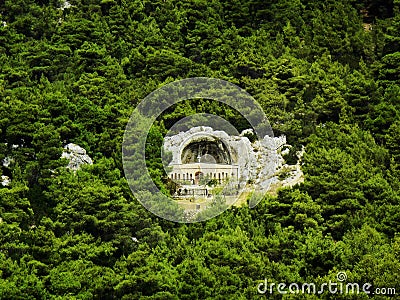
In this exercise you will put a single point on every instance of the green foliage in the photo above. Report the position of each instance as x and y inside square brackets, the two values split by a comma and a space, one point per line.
[326, 73]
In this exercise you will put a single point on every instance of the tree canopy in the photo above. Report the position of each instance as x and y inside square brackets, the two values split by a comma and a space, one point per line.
[326, 73]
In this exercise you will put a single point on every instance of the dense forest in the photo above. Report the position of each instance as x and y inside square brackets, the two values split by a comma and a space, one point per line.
[327, 75]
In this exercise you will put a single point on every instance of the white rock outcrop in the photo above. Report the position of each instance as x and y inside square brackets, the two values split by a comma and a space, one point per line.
[76, 155]
[7, 161]
[258, 162]
[64, 4]
[5, 180]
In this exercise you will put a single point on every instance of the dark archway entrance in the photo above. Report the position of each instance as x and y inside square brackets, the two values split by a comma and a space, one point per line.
[197, 177]
[206, 151]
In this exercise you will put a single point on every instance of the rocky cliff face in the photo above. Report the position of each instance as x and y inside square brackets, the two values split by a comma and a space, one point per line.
[259, 162]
